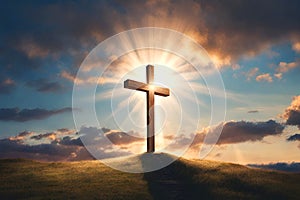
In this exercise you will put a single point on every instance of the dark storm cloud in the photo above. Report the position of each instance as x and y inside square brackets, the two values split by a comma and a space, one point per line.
[39, 32]
[249, 26]
[295, 137]
[15, 114]
[43, 85]
[228, 29]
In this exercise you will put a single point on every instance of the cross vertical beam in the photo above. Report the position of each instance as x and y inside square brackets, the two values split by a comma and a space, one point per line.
[150, 110]
[151, 90]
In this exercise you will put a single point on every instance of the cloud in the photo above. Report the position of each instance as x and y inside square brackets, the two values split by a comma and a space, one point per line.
[43, 85]
[42, 35]
[55, 36]
[284, 67]
[44, 137]
[296, 47]
[89, 80]
[292, 113]
[119, 143]
[278, 76]
[120, 138]
[251, 31]
[65, 131]
[47, 152]
[25, 133]
[50, 136]
[293, 117]
[32, 49]
[6, 86]
[295, 137]
[288, 167]
[253, 111]
[232, 132]
[252, 72]
[264, 77]
[22, 135]
[65, 144]
[226, 29]
[69, 141]
[15, 114]
[240, 131]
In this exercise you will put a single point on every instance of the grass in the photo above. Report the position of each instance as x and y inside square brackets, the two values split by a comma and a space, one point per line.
[232, 181]
[183, 179]
[25, 179]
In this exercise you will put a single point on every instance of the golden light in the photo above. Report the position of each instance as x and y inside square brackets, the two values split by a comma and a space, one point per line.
[152, 87]
[179, 65]
[171, 71]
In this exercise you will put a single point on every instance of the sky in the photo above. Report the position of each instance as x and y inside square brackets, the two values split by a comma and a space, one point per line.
[254, 45]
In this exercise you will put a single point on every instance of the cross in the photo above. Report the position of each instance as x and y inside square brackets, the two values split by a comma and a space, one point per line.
[151, 90]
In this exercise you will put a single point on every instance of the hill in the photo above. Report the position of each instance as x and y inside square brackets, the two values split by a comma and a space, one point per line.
[183, 179]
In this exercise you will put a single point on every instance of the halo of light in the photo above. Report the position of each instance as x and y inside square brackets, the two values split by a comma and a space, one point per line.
[100, 58]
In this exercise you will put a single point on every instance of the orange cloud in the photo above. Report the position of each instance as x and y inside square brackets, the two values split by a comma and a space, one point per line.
[252, 72]
[264, 77]
[296, 47]
[285, 67]
[22, 136]
[33, 50]
[278, 75]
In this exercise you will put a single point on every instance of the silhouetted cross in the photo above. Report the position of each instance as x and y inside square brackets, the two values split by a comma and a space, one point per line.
[150, 90]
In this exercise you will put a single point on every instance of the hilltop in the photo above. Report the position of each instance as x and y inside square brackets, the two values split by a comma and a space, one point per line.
[183, 179]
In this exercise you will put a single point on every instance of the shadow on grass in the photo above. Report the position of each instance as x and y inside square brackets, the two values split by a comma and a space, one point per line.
[174, 181]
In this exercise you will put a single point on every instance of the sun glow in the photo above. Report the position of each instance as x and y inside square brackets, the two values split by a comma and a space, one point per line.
[170, 71]
[152, 87]
[179, 63]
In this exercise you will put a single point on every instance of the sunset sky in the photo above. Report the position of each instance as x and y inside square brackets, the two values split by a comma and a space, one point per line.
[255, 45]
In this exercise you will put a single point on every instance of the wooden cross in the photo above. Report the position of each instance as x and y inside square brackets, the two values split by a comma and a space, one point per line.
[150, 90]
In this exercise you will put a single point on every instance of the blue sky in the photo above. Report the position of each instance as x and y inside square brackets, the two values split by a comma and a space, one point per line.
[255, 45]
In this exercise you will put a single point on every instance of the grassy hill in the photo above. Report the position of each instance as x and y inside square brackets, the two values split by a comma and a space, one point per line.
[183, 179]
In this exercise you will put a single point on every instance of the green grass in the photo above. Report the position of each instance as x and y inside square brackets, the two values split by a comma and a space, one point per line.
[183, 179]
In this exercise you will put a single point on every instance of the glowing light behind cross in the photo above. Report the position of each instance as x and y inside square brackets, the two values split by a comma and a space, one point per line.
[171, 71]
[125, 54]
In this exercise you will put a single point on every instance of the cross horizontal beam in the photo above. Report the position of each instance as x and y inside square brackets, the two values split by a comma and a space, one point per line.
[135, 85]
